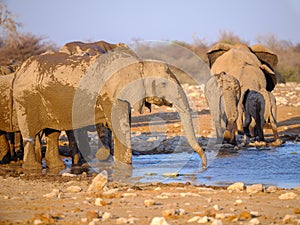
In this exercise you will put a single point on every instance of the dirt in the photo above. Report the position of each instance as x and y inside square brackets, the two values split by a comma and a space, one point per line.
[27, 198]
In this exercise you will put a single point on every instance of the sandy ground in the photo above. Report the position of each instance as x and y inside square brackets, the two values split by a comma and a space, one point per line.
[48, 199]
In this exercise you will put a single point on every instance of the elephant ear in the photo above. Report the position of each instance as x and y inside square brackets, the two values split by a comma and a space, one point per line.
[270, 77]
[265, 55]
[216, 51]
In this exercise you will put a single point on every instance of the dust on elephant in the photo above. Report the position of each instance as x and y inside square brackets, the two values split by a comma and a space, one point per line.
[261, 107]
[59, 91]
[252, 66]
[8, 118]
[222, 92]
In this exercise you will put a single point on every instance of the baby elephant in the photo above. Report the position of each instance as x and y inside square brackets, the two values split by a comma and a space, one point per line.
[261, 106]
[222, 93]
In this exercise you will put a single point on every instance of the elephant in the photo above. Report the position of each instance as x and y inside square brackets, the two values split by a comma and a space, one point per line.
[260, 106]
[66, 92]
[252, 66]
[223, 92]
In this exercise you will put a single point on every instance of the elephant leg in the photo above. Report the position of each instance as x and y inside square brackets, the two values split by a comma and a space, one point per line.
[4, 149]
[75, 154]
[104, 144]
[121, 130]
[52, 153]
[84, 146]
[29, 161]
[247, 121]
[38, 147]
[240, 118]
[11, 141]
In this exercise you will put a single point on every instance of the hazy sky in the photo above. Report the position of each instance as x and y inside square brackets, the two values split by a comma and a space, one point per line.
[122, 21]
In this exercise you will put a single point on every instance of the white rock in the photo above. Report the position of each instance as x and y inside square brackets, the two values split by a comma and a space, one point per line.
[289, 195]
[37, 221]
[238, 202]
[254, 213]
[239, 186]
[289, 218]
[217, 222]
[99, 202]
[194, 219]
[217, 207]
[149, 202]
[106, 216]
[271, 189]
[68, 175]
[203, 219]
[159, 221]
[254, 221]
[129, 195]
[99, 182]
[255, 188]
[52, 194]
[74, 189]
[121, 220]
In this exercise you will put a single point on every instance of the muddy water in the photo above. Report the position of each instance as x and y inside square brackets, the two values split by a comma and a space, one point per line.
[278, 166]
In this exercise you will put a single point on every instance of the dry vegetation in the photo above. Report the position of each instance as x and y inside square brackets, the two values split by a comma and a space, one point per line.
[16, 47]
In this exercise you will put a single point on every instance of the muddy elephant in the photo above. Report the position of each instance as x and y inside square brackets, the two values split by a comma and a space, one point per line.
[65, 92]
[223, 92]
[252, 66]
[259, 106]
[10, 138]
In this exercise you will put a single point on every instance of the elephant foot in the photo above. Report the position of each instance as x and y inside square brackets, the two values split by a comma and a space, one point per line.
[103, 154]
[6, 159]
[227, 135]
[258, 144]
[55, 164]
[277, 142]
[34, 165]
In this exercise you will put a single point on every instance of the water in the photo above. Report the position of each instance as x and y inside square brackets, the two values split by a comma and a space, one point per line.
[279, 166]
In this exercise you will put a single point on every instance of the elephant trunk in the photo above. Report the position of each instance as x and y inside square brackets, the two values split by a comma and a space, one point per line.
[231, 112]
[182, 106]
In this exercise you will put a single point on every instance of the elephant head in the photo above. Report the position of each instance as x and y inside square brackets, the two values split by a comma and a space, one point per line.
[253, 66]
[161, 83]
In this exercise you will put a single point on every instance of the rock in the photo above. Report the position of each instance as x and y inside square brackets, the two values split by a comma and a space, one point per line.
[100, 202]
[238, 202]
[68, 175]
[254, 213]
[159, 221]
[217, 222]
[91, 214]
[217, 207]
[239, 186]
[53, 194]
[271, 189]
[245, 216]
[99, 182]
[74, 189]
[194, 219]
[106, 216]
[171, 174]
[129, 195]
[121, 220]
[37, 221]
[288, 195]
[255, 188]
[173, 212]
[289, 219]
[149, 202]
[254, 221]
[297, 210]
[203, 219]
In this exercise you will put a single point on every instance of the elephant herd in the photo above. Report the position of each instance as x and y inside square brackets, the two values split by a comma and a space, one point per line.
[87, 84]
[239, 92]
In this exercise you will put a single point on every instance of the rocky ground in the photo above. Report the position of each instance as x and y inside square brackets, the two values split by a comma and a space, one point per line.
[98, 199]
